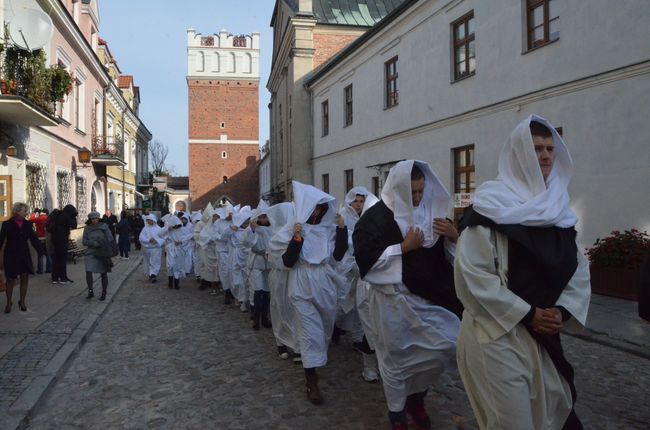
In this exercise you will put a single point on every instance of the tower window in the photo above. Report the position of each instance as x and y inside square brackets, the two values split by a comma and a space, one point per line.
[225, 179]
[224, 154]
[222, 125]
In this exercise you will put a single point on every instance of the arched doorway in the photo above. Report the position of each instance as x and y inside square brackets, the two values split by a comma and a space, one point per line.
[97, 198]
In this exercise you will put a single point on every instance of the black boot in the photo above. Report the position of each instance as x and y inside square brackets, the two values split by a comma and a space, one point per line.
[170, 279]
[227, 297]
[91, 293]
[177, 283]
[266, 299]
[103, 296]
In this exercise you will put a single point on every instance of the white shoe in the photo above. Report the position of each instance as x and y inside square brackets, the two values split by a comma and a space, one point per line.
[243, 307]
[370, 373]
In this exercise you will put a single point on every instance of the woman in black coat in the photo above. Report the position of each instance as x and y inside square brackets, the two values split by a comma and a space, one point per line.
[16, 232]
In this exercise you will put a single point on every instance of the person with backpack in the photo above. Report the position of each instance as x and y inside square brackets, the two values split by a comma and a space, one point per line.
[59, 227]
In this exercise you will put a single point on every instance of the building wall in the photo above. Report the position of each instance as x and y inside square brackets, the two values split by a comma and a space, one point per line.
[328, 42]
[232, 102]
[596, 93]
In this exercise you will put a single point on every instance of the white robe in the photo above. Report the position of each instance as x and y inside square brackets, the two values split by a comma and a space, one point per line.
[207, 245]
[222, 233]
[188, 245]
[152, 251]
[313, 283]
[413, 339]
[176, 254]
[238, 255]
[258, 267]
[198, 256]
[510, 379]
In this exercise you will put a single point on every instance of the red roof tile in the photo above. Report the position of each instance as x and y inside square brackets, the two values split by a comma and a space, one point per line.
[125, 81]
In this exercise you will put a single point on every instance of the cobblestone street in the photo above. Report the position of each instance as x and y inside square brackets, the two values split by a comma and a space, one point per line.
[162, 358]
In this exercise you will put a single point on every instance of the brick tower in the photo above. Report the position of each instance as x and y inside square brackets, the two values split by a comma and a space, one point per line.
[223, 85]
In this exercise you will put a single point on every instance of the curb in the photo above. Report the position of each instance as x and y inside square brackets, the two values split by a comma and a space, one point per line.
[604, 339]
[21, 411]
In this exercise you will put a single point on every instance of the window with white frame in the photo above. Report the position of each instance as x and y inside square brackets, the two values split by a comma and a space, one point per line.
[80, 192]
[63, 188]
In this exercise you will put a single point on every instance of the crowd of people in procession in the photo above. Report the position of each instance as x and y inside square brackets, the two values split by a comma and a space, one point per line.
[417, 295]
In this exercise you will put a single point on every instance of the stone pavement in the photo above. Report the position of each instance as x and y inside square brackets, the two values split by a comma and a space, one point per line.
[180, 359]
[36, 345]
[169, 359]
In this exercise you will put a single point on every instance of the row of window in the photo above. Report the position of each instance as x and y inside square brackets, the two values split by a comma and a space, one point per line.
[215, 61]
[542, 23]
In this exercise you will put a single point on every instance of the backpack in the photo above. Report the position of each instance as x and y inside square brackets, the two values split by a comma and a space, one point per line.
[50, 224]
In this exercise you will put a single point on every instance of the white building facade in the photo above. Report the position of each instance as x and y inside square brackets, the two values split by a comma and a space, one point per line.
[446, 82]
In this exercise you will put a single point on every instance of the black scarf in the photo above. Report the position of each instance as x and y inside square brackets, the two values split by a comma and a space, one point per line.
[541, 262]
[425, 271]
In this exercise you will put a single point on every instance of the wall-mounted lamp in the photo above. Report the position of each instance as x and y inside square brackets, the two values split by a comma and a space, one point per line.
[12, 151]
[83, 155]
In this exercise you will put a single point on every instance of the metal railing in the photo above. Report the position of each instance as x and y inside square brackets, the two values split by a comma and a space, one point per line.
[108, 147]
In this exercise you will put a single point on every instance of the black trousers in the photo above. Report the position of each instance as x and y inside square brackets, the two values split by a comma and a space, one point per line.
[60, 264]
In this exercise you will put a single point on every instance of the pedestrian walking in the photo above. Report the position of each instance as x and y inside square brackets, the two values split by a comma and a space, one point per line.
[522, 278]
[152, 243]
[208, 247]
[283, 314]
[39, 220]
[123, 229]
[175, 247]
[15, 233]
[100, 245]
[111, 221]
[347, 318]
[313, 242]
[256, 238]
[138, 225]
[404, 248]
[63, 222]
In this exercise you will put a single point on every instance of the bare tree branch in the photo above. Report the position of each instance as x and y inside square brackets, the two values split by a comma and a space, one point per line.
[158, 156]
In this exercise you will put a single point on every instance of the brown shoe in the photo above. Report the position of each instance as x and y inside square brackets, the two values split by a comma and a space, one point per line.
[313, 393]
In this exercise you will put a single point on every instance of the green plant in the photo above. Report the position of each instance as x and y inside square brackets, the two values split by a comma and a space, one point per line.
[61, 83]
[38, 83]
[620, 250]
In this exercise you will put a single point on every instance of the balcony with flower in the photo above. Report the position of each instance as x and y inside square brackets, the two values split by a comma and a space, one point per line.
[107, 151]
[29, 89]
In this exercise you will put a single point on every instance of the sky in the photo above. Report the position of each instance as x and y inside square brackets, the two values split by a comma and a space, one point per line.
[148, 38]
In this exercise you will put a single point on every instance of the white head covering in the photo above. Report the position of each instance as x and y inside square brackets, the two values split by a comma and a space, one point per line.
[166, 217]
[207, 213]
[519, 195]
[371, 200]
[317, 239]
[435, 203]
[241, 216]
[173, 221]
[152, 217]
[280, 214]
[221, 212]
[350, 215]
[261, 208]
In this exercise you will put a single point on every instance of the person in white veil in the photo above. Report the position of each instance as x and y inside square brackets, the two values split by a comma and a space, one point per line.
[207, 245]
[283, 314]
[176, 250]
[313, 242]
[221, 233]
[238, 254]
[198, 221]
[152, 243]
[188, 241]
[256, 238]
[347, 317]
[522, 278]
[404, 246]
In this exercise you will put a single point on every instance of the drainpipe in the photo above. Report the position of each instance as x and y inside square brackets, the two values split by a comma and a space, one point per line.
[104, 131]
[124, 166]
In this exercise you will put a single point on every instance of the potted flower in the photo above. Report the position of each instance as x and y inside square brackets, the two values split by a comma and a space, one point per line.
[614, 263]
[61, 83]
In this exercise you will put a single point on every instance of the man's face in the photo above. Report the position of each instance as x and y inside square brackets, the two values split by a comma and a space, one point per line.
[22, 211]
[417, 191]
[544, 148]
[229, 217]
[180, 207]
[108, 213]
[149, 222]
[215, 217]
[358, 202]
